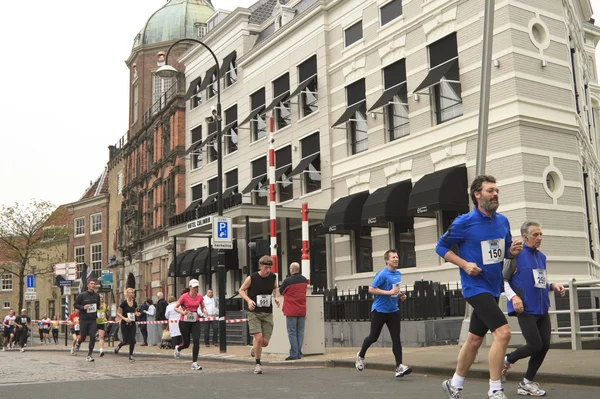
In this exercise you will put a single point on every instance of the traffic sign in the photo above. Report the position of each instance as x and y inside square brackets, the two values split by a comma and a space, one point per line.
[222, 237]
[67, 290]
[30, 296]
[65, 283]
[30, 281]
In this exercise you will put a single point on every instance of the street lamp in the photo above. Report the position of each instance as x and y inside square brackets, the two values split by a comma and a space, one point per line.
[167, 71]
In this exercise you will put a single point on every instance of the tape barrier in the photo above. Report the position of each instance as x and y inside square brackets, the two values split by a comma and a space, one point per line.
[202, 320]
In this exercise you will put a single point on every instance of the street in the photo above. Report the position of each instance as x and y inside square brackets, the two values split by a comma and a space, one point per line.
[59, 375]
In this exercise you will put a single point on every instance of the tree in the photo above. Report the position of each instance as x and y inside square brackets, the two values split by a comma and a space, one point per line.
[22, 238]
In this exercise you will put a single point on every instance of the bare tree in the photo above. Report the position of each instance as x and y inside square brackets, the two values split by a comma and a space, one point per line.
[23, 239]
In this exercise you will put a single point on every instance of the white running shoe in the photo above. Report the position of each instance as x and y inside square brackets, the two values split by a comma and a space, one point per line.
[72, 351]
[196, 366]
[3, 350]
[450, 391]
[497, 395]
[177, 354]
[403, 370]
[360, 362]
[101, 353]
[22, 350]
[258, 369]
[89, 359]
[532, 389]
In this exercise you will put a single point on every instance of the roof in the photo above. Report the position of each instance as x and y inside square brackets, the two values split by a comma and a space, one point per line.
[263, 10]
[60, 217]
[99, 187]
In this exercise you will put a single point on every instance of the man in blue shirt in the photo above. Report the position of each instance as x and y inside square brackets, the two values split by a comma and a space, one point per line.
[483, 239]
[385, 310]
[526, 286]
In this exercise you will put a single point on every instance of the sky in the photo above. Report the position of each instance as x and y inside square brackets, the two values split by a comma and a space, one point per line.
[65, 97]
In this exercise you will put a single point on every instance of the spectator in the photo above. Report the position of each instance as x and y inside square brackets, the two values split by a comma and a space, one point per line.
[161, 308]
[153, 329]
[293, 290]
[172, 315]
[143, 318]
[212, 309]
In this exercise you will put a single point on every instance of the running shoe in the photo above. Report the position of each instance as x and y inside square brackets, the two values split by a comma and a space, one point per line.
[177, 354]
[89, 359]
[450, 391]
[258, 369]
[22, 350]
[117, 350]
[403, 370]
[196, 366]
[72, 351]
[360, 362]
[532, 389]
[497, 395]
[131, 358]
[505, 371]
[3, 350]
[77, 346]
[101, 353]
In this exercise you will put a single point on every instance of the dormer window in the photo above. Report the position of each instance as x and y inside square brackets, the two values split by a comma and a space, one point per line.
[201, 30]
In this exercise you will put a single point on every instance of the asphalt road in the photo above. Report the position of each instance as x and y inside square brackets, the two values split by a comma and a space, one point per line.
[60, 376]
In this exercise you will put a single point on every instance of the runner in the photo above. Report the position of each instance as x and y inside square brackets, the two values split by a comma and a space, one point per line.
[45, 325]
[88, 303]
[127, 312]
[526, 287]
[73, 322]
[385, 310]
[55, 326]
[258, 291]
[189, 322]
[173, 318]
[9, 330]
[100, 322]
[483, 239]
[23, 325]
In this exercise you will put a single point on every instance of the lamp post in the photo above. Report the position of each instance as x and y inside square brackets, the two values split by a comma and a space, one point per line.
[167, 71]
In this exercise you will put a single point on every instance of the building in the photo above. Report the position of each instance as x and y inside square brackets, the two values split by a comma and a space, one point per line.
[375, 106]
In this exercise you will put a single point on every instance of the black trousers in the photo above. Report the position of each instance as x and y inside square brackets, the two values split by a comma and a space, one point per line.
[21, 336]
[378, 320]
[144, 331]
[214, 326]
[186, 329]
[88, 328]
[128, 332]
[55, 335]
[536, 331]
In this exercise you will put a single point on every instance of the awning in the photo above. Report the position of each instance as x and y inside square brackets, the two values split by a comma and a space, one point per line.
[387, 204]
[208, 139]
[208, 78]
[229, 191]
[304, 162]
[347, 115]
[192, 89]
[387, 96]
[444, 190]
[210, 198]
[193, 205]
[200, 265]
[253, 114]
[435, 75]
[277, 100]
[253, 184]
[281, 171]
[196, 146]
[179, 259]
[228, 126]
[303, 85]
[345, 213]
[225, 65]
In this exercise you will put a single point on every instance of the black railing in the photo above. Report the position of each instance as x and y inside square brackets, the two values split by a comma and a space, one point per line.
[427, 300]
[160, 104]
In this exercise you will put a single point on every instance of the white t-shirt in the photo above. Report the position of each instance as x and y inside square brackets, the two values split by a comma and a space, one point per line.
[10, 320]
[171, 315]
[211, 306]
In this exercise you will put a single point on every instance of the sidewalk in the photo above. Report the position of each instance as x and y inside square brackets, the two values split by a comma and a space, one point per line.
[562, 366]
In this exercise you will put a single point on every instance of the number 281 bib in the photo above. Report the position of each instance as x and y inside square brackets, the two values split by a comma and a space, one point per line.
[492, 251]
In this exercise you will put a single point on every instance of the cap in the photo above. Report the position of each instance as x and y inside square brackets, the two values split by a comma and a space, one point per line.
[194, 283]
[23, 310]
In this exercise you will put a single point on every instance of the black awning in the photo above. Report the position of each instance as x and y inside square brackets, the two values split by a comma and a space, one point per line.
[228, 126]
[444, 190]
[208, 78]
[193, 205]
[225, 65]
[193, 147]
[387, 204]
[277, 100]
[253, 114]
[281, 171]
[435, 75]
[347, 115]
[179, 259]
[210, 198]
[304, 162]
[253, 184]
[200, 264]
[303, 85]
[345, 213]
[229, 191]
[387, 96]
[208, 139]
[192, 88]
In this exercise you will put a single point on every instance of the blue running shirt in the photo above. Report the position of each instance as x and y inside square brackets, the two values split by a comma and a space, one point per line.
[385, 280]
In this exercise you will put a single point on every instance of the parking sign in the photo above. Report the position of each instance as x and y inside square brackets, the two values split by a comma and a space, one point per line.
[222, 233]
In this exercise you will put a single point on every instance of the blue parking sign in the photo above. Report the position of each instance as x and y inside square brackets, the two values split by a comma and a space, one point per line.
[223, 230]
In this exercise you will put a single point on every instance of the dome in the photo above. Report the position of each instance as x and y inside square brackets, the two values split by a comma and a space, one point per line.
[177, 19]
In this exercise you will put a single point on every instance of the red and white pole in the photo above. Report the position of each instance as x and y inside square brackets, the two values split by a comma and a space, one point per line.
[305, 243]
[272, 197]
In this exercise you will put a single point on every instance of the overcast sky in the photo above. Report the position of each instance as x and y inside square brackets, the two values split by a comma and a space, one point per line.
[65, 94]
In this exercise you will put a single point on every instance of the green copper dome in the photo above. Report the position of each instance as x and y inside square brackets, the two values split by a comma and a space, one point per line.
[177, 19]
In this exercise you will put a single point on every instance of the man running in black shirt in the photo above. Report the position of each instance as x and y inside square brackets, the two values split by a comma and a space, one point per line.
[88, 303]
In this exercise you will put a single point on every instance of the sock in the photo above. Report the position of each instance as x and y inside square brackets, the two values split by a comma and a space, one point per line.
[495, 386]
[526, 381]
[458, 381]
[257, 361]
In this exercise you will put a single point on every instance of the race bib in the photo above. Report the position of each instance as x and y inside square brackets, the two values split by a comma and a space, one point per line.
[91, 308]
[131, 316]
[396, 285]
[492, 251]
[190, 317]
[76, 327]
[11, 322]
[263, 301]
[101, 315]
[539, 278]
[23, 320]
[44, 326]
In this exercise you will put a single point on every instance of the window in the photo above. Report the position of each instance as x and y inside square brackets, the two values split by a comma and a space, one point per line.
[196, 192]
[166, 134]
[196, 134]
[404, 243]
[197, 96]
[258, 125]
[231, 130]
[5, 304]
[6, 283]
[260, 193]
[120, 183]
[283, 113]
[213, 187]
[80, 258]
[283, 169]
[169, 199]
[447, 94]
[96, 250]
[149, 211]
[357, 128]
[136, 99]
[196, 153]
[160, 86]
[390, 11]
[396, 111]
[230, 66]
[201, 30]
[307, 83]
[231, 183]
[79, 227]
[96, 223]
[353, 34]
[311, 176]
[364, 250]
[150, 150]
[213, 85]
[211, 146]
[51, 308]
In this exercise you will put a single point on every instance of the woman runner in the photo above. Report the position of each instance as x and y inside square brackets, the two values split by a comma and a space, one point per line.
[187, 306]
[100, 322]
[127, 312]
[55, 325]
[45, 324]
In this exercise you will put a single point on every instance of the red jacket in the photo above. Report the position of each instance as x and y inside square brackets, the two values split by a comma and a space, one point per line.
[293, 290]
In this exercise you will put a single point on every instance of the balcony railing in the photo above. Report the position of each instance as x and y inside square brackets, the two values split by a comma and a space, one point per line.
[161, 103]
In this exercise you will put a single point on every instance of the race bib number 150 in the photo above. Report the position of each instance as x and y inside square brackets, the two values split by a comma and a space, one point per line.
[492, 251]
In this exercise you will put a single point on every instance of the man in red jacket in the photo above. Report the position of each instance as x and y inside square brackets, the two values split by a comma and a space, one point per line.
[293, 290]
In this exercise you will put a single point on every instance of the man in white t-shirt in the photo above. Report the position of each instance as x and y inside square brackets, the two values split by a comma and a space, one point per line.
[9, 330]
[173, 318]
[212, 308]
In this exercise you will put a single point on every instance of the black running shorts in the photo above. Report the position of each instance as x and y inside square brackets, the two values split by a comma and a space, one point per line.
[487, 315]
